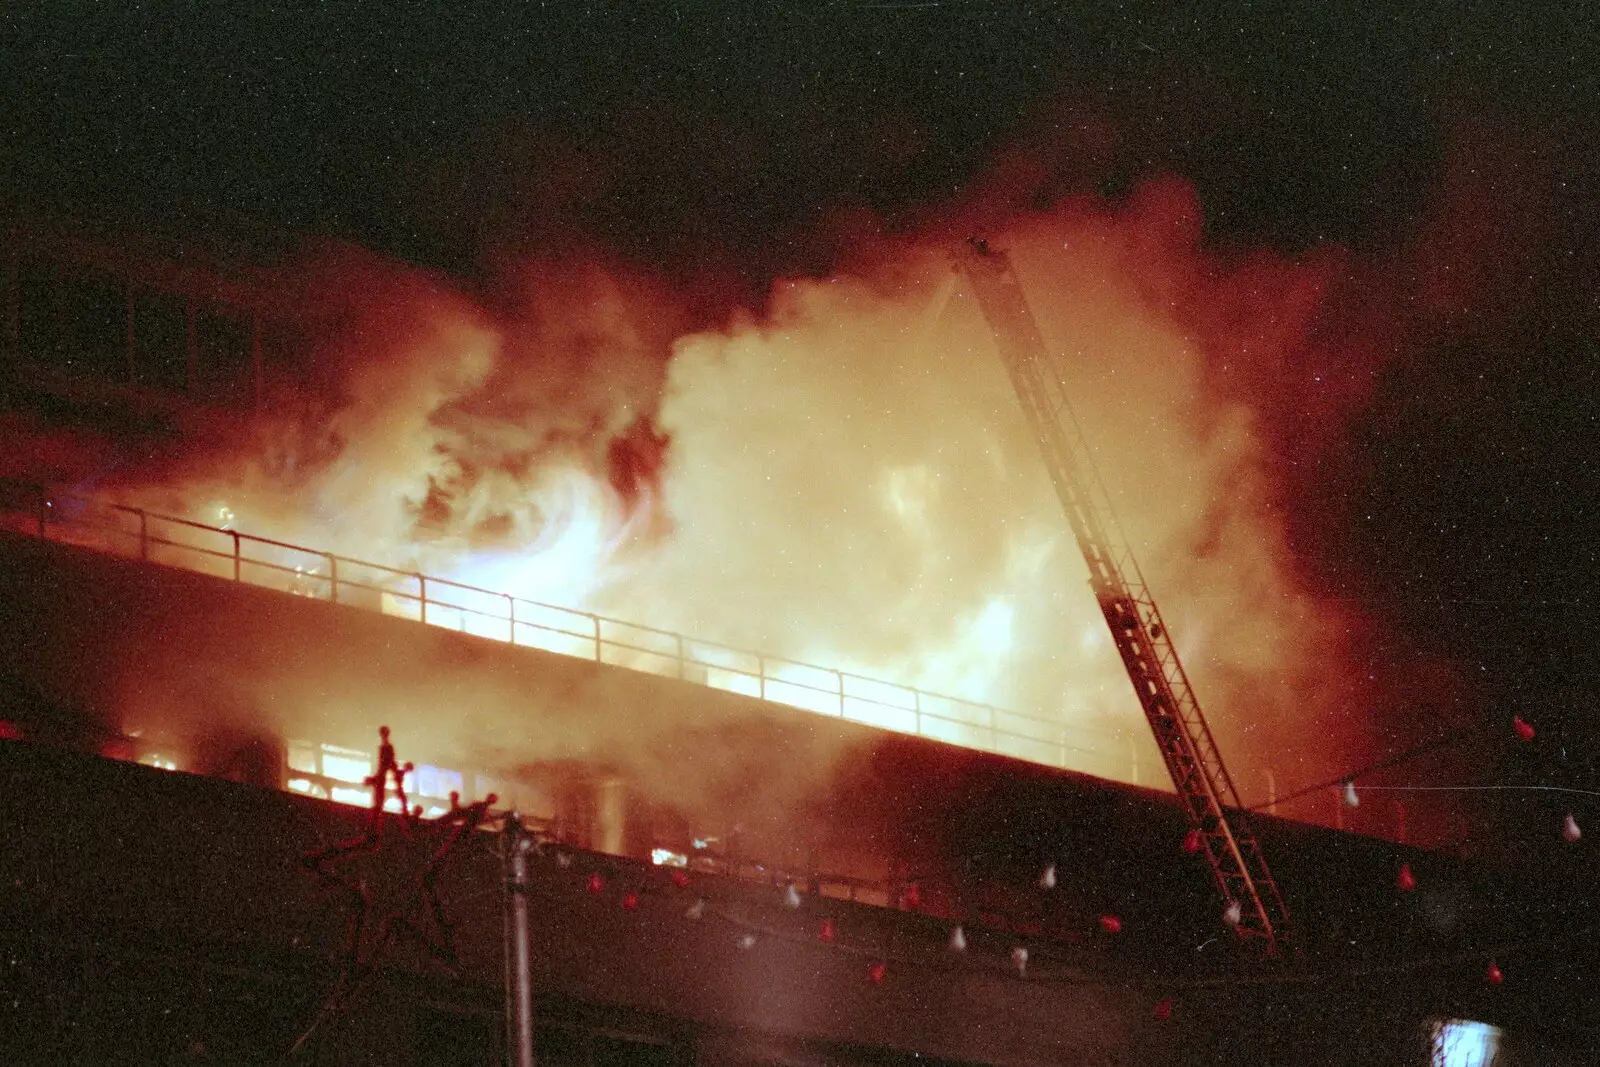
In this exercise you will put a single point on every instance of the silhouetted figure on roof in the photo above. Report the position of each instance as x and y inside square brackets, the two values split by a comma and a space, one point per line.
[388, 766]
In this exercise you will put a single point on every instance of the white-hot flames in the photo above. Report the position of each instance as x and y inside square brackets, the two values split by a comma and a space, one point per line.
[850, 483]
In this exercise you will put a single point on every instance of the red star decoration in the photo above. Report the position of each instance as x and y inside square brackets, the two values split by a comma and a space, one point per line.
[403, 841]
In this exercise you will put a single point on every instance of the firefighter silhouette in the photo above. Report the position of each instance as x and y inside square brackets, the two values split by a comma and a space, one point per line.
[388, 766]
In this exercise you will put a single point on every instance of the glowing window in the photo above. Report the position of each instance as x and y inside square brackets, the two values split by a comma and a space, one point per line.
[303, 757]
[345, 765]
[431, 781]
[344, 794]
[340, 774]
[1463, 1043]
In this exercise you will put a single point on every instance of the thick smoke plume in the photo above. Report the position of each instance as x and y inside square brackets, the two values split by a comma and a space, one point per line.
[838, 473]
[842, 475]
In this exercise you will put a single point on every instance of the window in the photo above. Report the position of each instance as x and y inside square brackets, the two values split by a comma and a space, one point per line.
[340, 774]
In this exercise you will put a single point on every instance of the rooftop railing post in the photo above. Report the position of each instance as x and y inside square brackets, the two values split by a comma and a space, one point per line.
[597, 657]
[761, 676]
[144, 535]
[916, 710]
[679, 639]
[422, 596]
[236, 560]
[511, 619]
[333, 577]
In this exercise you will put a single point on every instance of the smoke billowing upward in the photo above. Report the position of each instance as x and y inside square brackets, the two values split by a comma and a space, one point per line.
[828, 465]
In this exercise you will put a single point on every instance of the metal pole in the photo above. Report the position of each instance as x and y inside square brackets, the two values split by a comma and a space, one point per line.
[519, 952]
[144, 535]
[511, 618]
[422, 596]
[235, 554]
[333, 577]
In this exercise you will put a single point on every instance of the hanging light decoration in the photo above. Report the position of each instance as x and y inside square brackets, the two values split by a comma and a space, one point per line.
[1404, 880]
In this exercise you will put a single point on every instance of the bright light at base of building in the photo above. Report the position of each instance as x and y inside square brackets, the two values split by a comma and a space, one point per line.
[1463, 1043]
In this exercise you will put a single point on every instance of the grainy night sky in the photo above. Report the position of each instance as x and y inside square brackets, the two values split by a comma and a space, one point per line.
[716, 141]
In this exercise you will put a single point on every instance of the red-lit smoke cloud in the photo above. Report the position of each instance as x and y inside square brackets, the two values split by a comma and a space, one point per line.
[838, 472]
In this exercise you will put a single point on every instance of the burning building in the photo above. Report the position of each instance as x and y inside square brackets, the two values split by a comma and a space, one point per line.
[743, 857]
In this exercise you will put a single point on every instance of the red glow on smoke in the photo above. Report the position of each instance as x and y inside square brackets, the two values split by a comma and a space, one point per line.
[635, 460]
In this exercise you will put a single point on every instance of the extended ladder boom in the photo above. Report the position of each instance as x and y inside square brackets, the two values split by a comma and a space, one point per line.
[1142, 639]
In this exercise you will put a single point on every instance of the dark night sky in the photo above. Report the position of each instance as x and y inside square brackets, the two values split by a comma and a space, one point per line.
[1463, 502]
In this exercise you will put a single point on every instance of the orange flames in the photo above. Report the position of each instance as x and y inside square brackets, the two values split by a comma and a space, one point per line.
[844, 477]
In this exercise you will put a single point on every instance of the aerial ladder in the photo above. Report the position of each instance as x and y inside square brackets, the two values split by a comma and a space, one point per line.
[1220, 826]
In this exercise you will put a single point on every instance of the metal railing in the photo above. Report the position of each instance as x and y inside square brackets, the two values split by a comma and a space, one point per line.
[119, 529]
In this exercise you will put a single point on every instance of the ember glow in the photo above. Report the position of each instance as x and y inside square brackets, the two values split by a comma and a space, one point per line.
[841, 476]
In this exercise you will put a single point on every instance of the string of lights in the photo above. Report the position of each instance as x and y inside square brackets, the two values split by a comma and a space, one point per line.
[1035, 959]
[1449, 741]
